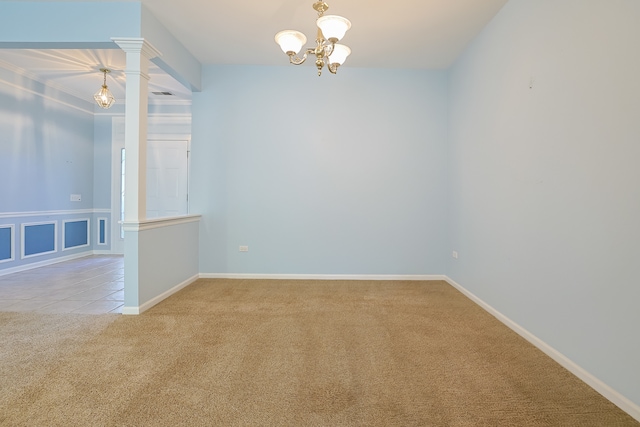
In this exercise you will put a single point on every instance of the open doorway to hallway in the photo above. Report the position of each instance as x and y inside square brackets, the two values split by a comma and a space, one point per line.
[167, 187]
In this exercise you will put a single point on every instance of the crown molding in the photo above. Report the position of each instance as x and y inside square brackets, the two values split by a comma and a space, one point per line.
[135, 45]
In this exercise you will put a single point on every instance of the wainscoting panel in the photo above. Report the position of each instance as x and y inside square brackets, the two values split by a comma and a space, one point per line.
[75, 233]
[31, 239]
[102, 231]
[39, 238]
[7, 238]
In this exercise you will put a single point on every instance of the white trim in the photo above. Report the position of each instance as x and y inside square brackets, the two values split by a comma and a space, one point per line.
[158, 100]
[103, 252]
[396, 277]
[64, 235]
[598, 385]
[148, 224]
[117, 145]
[106, 225]
[49, 213]
[147, 305]
[32, 265]
[31, 224]
[181, 102]
[12, 227]
[137, 45]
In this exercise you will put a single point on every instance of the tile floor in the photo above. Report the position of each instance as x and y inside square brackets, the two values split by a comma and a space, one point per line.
[88, 285]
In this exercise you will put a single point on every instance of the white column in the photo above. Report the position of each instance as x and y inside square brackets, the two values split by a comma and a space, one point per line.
[138, 52]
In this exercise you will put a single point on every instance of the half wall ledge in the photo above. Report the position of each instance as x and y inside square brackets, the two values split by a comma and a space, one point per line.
[148, 224]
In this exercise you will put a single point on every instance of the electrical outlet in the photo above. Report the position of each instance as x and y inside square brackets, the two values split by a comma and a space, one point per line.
[454, 254]
[76, 197]
[244, 248]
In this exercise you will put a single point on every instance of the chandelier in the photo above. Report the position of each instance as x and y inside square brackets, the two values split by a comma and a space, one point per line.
[331, 28]
[103, 97]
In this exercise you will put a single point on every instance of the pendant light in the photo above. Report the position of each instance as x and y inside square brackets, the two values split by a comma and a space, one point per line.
[103, 97]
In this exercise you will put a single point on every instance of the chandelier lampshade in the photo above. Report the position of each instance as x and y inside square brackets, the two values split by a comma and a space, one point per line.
[291, 41]
[104, 98]
[331, 29]
[339, 54]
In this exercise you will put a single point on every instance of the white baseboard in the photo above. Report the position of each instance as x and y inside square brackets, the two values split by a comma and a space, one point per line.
[32, 265]
[605, 390]
[103, 252]
[147, 305]
[323, 276]
[44, 263]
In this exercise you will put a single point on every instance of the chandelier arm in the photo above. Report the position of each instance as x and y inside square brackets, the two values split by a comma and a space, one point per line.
[295, 60]
[333, 68]
[328, 49]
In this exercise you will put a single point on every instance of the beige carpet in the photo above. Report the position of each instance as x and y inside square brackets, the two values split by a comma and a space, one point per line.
[294, 353]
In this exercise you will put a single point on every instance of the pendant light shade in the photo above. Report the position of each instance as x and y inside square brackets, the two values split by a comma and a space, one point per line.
[291, 41]
[339, 54]
[333, 27]
[104, 98]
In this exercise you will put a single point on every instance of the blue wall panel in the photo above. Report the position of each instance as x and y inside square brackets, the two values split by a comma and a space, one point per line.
[5, 243]
[76, 233]
[102, 238]
[39, 239]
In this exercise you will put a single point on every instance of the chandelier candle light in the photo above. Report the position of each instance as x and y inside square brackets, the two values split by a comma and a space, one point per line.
[103, 97]
[331, 29]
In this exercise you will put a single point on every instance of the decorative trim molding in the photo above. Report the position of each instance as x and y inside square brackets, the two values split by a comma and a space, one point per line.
[23, 233]
[50, 213]
[64, 234]
[598, 385]
[147, 305]
[396, 277]
[149, 224]
[105, 233]
[159, 101]
[154, 102]
[12, 241]
[137, 45]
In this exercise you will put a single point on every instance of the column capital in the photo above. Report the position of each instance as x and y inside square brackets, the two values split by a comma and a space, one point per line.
[137, 45]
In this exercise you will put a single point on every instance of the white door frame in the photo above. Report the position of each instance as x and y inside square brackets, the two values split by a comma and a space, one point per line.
[160, 128]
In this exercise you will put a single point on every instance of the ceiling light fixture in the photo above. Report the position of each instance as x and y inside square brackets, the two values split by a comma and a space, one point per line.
[103, 97]
[331, 29]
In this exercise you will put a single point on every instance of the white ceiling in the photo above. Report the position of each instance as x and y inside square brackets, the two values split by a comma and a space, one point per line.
[77, 71]
[391, 34]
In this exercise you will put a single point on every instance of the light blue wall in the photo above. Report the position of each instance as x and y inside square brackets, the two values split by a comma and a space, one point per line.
[67, 24]
[46, 147]
[175, 59]
[336, 174]
[160, 258]
[543, 170]
[46, 154]
[102, 136]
